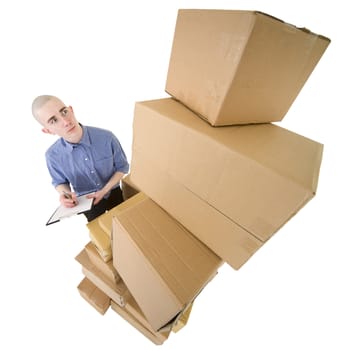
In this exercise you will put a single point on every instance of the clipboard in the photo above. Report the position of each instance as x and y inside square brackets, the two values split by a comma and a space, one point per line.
[84, 204]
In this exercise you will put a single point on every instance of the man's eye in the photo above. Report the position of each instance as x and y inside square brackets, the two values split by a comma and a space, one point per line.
[65, 112]
[53, 121]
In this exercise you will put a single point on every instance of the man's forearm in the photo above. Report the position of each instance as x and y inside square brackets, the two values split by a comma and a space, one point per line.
[115, 179]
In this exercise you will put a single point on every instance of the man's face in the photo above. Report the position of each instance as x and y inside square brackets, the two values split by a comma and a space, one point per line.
[57, 119]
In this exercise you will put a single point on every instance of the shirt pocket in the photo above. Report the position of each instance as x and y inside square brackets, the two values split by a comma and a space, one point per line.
[105, 167]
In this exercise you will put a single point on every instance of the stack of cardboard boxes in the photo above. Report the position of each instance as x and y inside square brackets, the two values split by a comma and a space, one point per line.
[163, 266]
[212, 179]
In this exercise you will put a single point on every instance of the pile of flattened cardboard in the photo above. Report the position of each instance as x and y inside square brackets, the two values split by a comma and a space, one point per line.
[212, 178]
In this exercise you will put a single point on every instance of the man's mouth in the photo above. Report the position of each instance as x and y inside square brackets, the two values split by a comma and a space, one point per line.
[71, 129]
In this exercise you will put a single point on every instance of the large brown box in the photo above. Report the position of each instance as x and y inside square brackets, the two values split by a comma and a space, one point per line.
[163, 265]
[232, 187]
[240, 67]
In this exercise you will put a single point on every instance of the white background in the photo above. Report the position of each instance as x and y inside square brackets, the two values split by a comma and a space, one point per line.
[100, 57]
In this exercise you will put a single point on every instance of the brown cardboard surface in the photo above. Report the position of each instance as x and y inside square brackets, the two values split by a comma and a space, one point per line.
[105, 220]
[232, 187]
[94, 296]
[240, 67]
[157, 338]
[118, 292]
[177, 324]
[134, 310]
[101, 239]
[106, 268]
[128, 188]
[169, 265]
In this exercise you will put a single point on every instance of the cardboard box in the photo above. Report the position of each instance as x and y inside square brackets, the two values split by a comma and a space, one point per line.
[106, 268]
[101, 239]
[240, 67]
[169, 265]
[157, 338]
[232, 187]
[105, 220]
[128, 188]
[94, 296]
[118, 292]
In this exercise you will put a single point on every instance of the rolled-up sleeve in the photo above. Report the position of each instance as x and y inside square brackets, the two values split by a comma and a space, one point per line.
[120, 161]
[55, 169]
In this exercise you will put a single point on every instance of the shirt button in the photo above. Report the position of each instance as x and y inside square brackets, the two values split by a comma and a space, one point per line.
[86, 158]
[92, 171]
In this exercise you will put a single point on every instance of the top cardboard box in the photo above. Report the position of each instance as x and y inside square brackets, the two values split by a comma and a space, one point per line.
[240, 67]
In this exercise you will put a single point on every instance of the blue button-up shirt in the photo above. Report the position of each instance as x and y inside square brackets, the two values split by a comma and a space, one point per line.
[88, 165]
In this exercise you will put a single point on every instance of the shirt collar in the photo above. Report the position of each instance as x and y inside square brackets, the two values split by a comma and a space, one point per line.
[85, 140]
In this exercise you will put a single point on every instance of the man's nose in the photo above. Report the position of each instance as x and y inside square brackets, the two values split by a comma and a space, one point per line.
[65, 121]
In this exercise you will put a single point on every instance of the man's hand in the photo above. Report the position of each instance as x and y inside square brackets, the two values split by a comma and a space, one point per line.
[68, 199]
[98, 196]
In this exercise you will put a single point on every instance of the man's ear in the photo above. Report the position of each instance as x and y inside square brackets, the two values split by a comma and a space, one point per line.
[46, 131]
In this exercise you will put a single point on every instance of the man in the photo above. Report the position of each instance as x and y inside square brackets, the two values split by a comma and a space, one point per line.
[83, 160]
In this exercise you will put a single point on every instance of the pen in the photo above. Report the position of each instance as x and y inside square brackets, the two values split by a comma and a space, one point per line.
[68, 196]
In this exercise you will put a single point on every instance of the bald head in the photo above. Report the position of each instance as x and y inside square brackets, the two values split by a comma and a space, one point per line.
[40, 101]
